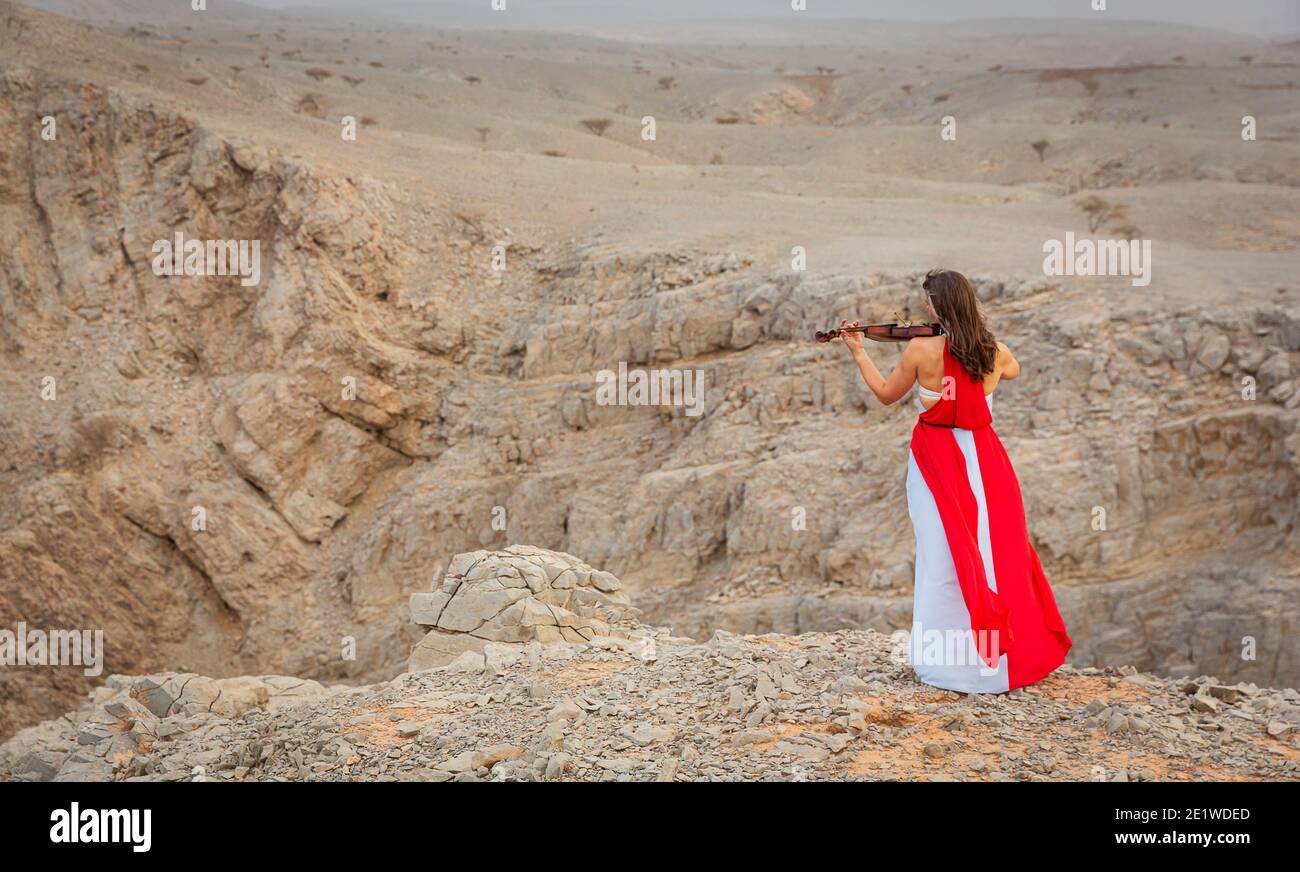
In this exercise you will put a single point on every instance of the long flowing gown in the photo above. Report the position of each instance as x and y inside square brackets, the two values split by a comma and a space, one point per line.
[983, 616]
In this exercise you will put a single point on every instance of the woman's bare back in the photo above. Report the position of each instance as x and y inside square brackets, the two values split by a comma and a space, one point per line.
[928, 353]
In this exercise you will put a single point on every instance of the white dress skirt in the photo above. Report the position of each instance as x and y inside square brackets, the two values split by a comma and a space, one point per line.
[941, 645]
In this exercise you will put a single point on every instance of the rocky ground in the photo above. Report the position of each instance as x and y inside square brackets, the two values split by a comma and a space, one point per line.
[814, 707]
[641, 704]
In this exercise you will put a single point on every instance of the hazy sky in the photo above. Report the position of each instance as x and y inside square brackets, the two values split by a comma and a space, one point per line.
[1260, 17]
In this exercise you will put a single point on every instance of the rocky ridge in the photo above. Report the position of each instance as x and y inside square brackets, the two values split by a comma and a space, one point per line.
[817, 706]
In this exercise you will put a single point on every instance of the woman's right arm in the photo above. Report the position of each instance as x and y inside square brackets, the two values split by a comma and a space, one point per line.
[1008, 366]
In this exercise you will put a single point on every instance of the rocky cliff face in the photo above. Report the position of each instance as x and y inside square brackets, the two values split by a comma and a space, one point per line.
[177, 449]
[818, 706]
[232, 479]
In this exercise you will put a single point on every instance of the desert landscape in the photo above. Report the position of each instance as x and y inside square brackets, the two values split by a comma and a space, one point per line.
[465, 216]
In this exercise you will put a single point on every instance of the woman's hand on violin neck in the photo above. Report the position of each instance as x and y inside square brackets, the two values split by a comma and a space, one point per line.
[852, 340]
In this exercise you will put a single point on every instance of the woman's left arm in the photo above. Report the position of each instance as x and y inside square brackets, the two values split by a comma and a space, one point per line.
[887, 390]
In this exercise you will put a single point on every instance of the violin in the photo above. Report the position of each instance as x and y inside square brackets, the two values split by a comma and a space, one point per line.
[892, 332]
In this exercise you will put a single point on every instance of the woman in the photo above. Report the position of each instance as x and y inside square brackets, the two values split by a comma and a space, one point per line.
[984, 619]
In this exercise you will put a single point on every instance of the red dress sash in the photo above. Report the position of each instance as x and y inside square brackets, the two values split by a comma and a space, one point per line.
[1019, 619]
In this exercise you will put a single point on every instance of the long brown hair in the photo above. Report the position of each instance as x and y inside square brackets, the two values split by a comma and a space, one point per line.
[969, 338]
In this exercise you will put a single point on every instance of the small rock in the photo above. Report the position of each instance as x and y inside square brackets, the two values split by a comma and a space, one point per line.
[751, 737]
[566, 710]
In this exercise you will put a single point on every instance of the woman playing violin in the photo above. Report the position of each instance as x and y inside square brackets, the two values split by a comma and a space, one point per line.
[984, 619]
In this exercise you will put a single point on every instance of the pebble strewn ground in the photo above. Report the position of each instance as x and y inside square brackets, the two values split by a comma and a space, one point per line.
[816, 707]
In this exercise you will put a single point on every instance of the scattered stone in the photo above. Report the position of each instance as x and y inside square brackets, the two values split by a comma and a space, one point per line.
[566, 710]
[752, 737]
[557, 765]
[738, 708]
[490, 757]
[848, 684]
[1229, 695]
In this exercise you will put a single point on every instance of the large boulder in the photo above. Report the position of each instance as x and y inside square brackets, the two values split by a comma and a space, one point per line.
[515, 597]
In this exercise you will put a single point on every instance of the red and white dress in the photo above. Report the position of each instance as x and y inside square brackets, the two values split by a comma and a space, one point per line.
[983, 616]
